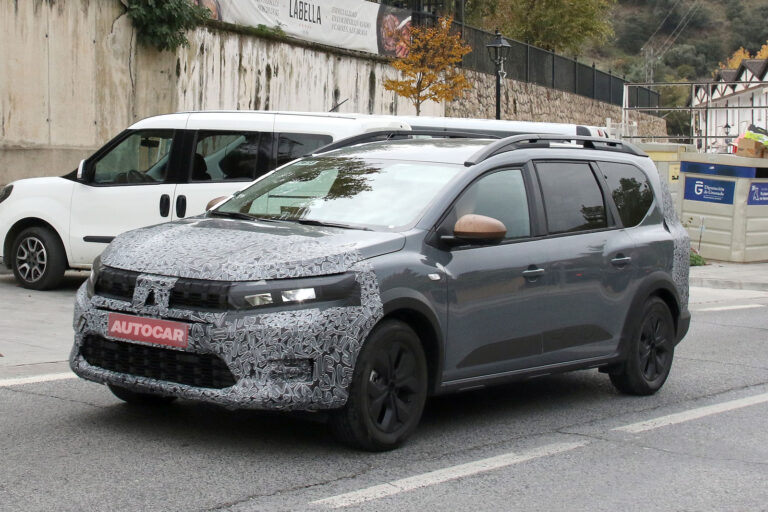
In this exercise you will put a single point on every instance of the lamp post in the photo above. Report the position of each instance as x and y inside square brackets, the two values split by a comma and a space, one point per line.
[498, 51]
[727, 131]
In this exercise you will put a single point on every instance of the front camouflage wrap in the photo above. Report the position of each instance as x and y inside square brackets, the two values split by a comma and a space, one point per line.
[252, 344]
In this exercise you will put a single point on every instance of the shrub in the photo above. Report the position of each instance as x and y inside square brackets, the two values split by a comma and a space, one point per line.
[164, 23]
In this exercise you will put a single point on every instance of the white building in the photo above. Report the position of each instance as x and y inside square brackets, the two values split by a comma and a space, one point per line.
[743, 93]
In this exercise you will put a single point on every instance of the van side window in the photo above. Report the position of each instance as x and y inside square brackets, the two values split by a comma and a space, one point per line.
[630, 190]
[291, 146]
[572, 197]
[500, 195]
[230, 156]
[142, 157]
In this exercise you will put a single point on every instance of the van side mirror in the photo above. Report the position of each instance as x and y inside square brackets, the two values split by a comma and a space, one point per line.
[476, 228]
[214, 202]
[80, 170]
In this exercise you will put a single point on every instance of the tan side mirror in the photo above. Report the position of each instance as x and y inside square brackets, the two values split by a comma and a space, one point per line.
[479, 227]
[214, 202]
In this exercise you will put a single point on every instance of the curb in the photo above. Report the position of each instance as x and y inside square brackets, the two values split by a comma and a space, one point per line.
[726, 284]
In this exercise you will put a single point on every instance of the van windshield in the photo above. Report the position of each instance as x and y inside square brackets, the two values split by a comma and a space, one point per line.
[353, 192]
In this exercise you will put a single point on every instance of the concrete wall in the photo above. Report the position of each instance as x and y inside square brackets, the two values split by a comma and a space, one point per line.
[73, 76]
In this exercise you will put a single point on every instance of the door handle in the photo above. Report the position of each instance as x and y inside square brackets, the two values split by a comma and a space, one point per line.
[533, 273]
[165, 205]
[181, 206]
[621, 261]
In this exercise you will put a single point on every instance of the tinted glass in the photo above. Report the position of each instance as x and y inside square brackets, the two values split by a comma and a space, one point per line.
[572, 197]
[291, 146]
[228, 156]
[630, 190]
[349, 191]
[142, 157]
[500, 195]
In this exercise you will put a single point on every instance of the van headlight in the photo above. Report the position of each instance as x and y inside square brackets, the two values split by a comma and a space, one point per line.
[5, 193]
[336, 290]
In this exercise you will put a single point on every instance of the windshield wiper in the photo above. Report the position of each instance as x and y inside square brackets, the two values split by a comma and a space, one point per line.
[313, 222]
[238, 215]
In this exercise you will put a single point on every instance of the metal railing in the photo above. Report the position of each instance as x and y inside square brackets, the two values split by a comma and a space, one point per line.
[528, 63]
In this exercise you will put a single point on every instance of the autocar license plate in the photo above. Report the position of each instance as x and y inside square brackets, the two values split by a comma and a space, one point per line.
[148, 330]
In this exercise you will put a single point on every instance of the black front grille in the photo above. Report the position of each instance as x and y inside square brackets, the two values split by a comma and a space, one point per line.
[199, 294]
[114, 283]
[199, 370]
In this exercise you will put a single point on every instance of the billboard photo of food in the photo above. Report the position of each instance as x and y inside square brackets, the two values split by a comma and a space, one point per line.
[394, 31]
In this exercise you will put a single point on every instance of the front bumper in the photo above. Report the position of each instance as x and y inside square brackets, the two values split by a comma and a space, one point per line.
[258, 349]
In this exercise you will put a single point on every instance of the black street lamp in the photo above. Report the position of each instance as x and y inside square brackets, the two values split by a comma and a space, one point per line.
[498, 51]
[727, 130]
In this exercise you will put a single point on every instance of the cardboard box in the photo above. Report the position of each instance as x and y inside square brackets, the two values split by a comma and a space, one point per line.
[750, 148]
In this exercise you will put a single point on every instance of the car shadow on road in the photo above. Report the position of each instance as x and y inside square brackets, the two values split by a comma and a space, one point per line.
[478, 414]
[70, 282]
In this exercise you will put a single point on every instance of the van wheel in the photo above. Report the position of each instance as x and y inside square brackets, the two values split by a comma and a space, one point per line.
[38, 259]
[136, 398]
[650, 353]
[388, 391]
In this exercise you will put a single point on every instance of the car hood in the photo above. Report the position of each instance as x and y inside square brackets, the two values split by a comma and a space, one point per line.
[235, 250]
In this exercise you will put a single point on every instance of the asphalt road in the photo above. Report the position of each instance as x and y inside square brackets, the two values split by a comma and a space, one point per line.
[567, 442]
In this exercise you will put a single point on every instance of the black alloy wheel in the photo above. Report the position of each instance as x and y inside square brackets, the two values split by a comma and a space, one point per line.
[650, 354]
[38, 258]
[388, 390]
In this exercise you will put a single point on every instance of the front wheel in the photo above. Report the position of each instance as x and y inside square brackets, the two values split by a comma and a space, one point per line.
[651, 350]
[388, 391]
[38, 258]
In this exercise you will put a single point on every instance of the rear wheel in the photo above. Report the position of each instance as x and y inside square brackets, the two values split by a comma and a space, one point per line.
[136, 398]
[388, 390]
[38, 259]
[651, 350]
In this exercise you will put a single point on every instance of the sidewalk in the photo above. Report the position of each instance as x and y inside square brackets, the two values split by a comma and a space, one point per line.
[740, 276]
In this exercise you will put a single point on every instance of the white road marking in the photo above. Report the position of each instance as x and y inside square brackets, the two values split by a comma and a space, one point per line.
[728, 308]
[18, 381]
[693, 414]
[443, 475]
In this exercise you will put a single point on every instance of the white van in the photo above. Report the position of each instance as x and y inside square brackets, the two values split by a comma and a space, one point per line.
[160, 169]
[501, 128]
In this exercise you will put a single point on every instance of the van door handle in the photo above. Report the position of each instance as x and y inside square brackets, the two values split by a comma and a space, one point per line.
[621, 261]
[181, 206]
[533, 273]
[165, 205]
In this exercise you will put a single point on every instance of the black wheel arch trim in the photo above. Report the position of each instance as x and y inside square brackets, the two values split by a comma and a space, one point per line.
[422, 318]
[661, 285]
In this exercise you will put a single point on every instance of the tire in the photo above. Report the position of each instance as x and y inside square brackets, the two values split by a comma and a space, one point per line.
[38, 259]
[136, 398]
[382, 411]
[650, 354]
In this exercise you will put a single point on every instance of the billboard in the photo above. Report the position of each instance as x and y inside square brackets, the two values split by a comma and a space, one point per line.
[350, 24]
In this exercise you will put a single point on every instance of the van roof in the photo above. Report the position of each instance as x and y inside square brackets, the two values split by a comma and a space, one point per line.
[453, 151]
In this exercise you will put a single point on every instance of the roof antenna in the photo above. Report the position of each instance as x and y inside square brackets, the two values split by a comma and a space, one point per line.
[338, 105]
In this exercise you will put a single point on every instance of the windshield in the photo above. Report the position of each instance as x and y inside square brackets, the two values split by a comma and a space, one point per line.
[384, 194]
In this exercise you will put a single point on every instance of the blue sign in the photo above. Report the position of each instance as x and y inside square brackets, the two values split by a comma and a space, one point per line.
[710, 191]
[758, 193]
[718, 169]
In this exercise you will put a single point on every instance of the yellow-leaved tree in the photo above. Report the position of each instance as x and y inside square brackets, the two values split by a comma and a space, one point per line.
[734, 60]
[428, 72]
[762, 53]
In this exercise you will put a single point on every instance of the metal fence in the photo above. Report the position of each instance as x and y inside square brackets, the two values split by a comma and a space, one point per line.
[528, 63]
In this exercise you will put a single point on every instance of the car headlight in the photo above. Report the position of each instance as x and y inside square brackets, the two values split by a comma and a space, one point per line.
[95, 270]
[336, 290]
[5, 193]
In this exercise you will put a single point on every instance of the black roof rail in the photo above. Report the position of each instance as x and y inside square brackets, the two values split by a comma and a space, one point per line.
[384, 135]
[545, 141]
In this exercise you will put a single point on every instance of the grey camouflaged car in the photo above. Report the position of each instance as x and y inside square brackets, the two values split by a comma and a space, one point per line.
[363, 279]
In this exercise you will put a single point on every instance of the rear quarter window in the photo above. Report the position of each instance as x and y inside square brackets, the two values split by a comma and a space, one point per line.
[630, 190]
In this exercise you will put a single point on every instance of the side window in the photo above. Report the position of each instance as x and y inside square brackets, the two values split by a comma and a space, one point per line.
[291, 146]
[231, 156]
[142, 157]
[572, 197]
[500, 195]
[630, 190]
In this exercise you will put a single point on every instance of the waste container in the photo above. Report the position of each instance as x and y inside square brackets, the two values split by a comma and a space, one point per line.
[725, 205]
